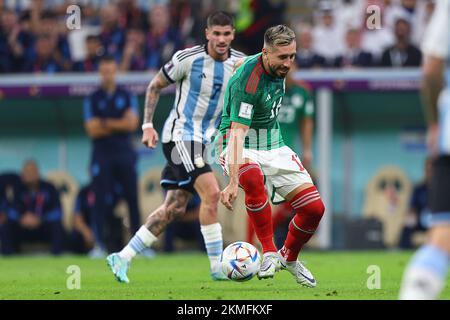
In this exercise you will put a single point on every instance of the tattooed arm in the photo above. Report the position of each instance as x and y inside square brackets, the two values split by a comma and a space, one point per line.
[159, 82]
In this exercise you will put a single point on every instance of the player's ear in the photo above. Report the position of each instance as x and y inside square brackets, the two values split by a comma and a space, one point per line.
[207, 33]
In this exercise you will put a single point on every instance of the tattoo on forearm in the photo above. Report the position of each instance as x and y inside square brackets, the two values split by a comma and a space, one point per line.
[151, 100]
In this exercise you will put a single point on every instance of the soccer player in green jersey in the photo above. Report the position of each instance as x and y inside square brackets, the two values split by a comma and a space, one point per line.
[296, 120]
[255, 157]
[296, 117]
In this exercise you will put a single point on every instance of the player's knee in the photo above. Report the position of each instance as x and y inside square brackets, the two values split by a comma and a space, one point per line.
[313, 210]
[210, 196]
[251, 179]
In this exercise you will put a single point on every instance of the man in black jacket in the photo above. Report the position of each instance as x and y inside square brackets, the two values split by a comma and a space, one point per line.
[402, 53]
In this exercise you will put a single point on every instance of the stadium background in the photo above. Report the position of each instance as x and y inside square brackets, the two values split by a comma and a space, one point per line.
[376, 121]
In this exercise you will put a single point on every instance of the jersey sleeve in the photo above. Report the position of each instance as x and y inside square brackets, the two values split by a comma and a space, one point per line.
[436, 41]
[176, 69]
[242, 105]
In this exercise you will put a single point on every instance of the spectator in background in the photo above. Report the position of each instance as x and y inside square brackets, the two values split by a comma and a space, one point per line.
[419, 211]
[112, 34]
[94, 53]
[135, 56]
[15, 5]
[353, 56]
[111, 116]
[327, 34]
[402, 53]
[186, 227]
[252, 19]
[131, 16]
[189, 17]
[162, 40]
[46, 58]
[376, 40]
[417, 12]
[82, 239]
[404, 8]
[37, 214]
[9, 186]
[350, 12]
[306, 57]
[49, 26]
[15, 43]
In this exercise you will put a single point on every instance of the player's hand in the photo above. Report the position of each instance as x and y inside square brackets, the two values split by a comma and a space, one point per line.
[228, 195]
[30, 221]
[150, 138]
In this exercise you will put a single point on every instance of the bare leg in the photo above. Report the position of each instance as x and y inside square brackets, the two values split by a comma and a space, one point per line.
[209, 192]
[208, 189]
[174, 206]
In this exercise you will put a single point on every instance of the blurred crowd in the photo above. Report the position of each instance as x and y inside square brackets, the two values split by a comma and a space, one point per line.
[364, 33]
[31, 211]
[33, 218]
[143, 35]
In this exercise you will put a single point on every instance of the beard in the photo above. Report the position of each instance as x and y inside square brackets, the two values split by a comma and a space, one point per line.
[278, 71]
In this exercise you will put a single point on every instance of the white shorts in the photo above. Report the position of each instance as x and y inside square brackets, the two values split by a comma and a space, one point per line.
[282, 169]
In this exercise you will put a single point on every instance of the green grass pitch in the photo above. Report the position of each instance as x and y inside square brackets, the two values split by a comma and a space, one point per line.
[340, 275]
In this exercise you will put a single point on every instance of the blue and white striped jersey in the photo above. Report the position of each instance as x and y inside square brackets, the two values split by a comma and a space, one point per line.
[437, 43]
[201, 83]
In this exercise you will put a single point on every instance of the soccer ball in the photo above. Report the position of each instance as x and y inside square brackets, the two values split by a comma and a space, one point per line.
[240, 261]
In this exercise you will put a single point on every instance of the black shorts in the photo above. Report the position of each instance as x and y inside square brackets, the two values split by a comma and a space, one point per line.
[185, 162]
[439, 198]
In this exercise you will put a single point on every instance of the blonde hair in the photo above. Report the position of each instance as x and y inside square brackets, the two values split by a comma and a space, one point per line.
[279, 35]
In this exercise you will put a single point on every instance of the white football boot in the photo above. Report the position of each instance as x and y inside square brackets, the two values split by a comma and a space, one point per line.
[302, 275]
[269, 265]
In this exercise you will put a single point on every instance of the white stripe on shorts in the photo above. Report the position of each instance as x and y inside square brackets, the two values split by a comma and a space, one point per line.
[188, 165]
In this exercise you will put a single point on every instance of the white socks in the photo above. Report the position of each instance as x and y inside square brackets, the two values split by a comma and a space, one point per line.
[141, 240]
[212, 235]
[425, 275]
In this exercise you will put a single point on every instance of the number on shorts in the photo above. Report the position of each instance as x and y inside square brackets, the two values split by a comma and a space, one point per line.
[294, 158]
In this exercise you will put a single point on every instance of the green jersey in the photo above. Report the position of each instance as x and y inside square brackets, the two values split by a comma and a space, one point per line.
[297, 105]
[253, 98]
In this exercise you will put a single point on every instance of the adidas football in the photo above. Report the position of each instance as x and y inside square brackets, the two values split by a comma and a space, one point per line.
[240, 261]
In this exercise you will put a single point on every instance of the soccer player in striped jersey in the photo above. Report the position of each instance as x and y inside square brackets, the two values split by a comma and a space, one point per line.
[426, 273]
[253, 154]
[200, 74]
